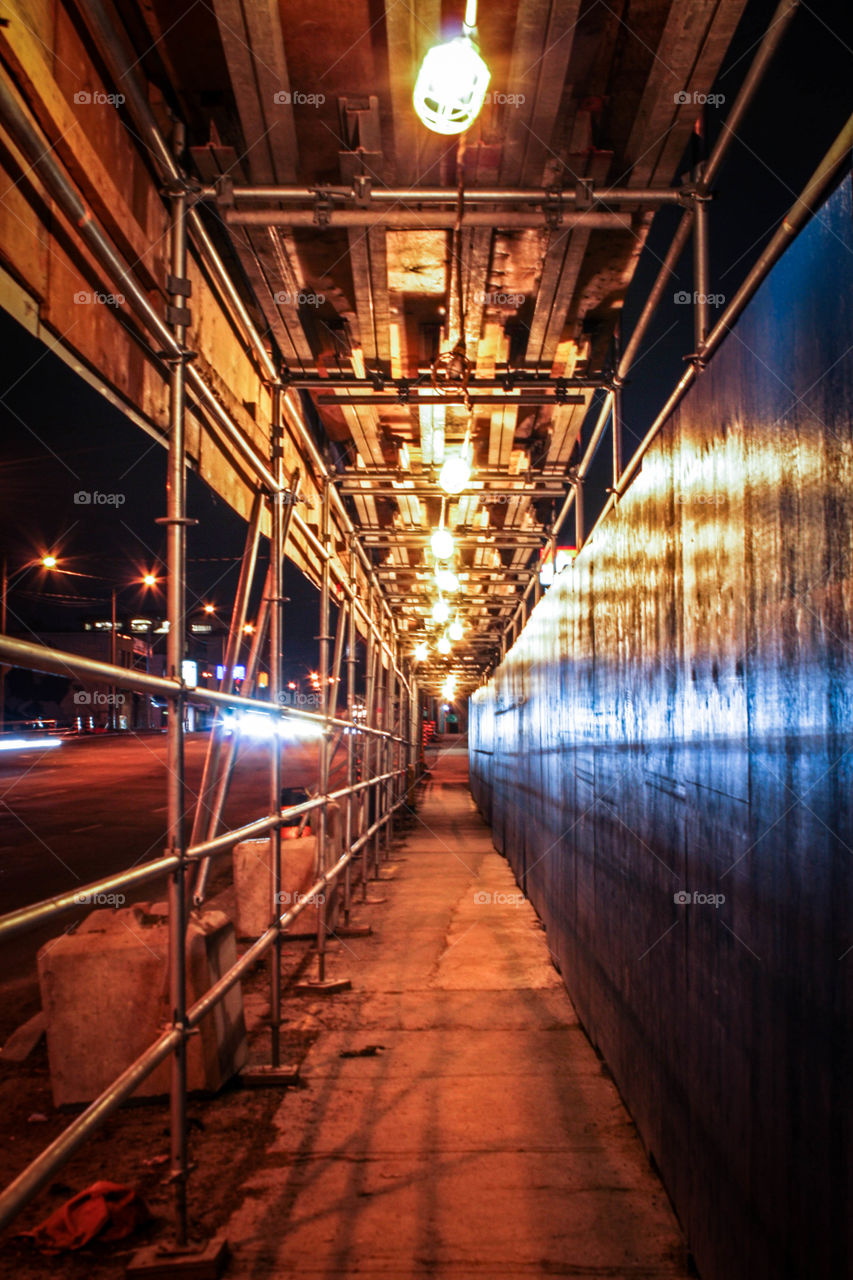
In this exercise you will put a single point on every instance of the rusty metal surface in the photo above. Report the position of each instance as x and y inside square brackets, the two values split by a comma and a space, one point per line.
[676, 719]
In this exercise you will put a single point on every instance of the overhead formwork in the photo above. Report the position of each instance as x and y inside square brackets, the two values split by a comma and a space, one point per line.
[666, 760]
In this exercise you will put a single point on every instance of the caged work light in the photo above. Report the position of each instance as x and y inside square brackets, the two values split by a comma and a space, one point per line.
[452, 82]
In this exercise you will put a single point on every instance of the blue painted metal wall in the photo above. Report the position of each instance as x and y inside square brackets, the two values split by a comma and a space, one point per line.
[675, 719]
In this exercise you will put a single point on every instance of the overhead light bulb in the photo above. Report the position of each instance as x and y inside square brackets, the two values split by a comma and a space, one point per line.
[446, 580]
[455, 630]
[455, 474]
[422, 651]
[443, 645]
[442, 543]
[49, 562]
[440, 611]
[149, 580]
[451, 86]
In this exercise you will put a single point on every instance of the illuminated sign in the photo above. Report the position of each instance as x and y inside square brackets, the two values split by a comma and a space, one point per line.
[550, 564]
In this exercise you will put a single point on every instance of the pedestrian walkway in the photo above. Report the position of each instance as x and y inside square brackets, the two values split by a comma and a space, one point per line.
[476, 1133]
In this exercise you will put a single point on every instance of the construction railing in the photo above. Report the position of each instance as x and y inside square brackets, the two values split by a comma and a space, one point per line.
[393, 757]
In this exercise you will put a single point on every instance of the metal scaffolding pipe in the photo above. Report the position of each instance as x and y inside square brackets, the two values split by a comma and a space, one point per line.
[420, 221]
[795, 219]
[36, 657]
[586, 193]
[772, 37]
[391, 401]
[176, 528]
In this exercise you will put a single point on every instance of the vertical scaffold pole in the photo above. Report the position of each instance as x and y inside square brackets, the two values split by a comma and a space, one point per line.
[275, 687]
[175, 522]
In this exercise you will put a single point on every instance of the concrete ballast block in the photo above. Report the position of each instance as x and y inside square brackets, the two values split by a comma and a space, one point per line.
[299, 871]
[105, 994]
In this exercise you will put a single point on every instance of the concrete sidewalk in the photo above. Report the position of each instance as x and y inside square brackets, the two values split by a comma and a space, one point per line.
[479, 1137]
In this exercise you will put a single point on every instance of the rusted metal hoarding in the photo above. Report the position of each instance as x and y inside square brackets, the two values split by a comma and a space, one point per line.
[665, 757]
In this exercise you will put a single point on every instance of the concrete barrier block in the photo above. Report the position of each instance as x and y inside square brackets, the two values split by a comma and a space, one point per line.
[251, 862]
[105, 995]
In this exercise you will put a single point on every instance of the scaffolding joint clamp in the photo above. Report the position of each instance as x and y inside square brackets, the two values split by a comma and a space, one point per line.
[225, 191]
[584, 193]
[361, 188]
[322, 207]
[552, 207]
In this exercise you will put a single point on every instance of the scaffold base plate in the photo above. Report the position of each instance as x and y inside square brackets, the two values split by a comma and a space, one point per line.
[199, 1260]
[326, 988]
[268, 1077]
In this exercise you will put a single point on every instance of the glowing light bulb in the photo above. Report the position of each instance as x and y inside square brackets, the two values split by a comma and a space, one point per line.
[49, 562]
[440, 611]
[455, 630]
[446, 580]
[455, 474]
[443, 645]
[442, 544]
[149, 580]
[451, 86]
[422, 651]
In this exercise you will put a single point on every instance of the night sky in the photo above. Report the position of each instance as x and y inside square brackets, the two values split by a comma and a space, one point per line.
[60, 437]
